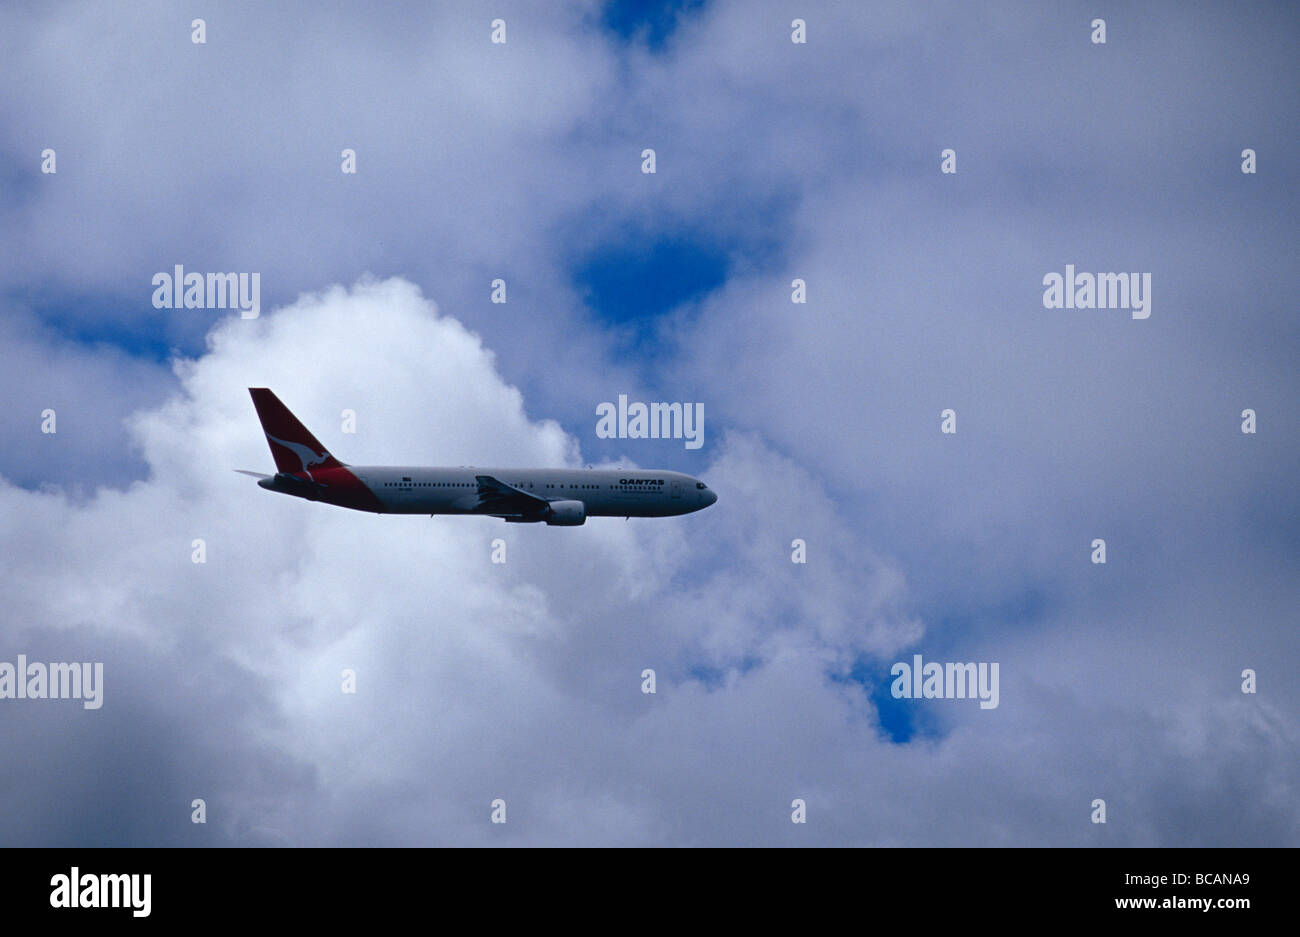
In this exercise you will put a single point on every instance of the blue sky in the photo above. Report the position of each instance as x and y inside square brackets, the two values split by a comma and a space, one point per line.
[775, 161]
[651, 22]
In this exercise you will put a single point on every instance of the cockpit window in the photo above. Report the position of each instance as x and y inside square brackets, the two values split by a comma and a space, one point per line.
[699, 485]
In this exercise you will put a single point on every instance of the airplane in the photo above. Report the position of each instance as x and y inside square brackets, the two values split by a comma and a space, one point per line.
[557, 497]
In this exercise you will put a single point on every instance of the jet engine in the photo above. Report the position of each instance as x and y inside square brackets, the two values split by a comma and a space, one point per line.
[566, 514]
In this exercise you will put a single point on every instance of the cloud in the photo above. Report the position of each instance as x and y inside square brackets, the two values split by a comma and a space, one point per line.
[521, 681]
[90, 387]
[454, 655]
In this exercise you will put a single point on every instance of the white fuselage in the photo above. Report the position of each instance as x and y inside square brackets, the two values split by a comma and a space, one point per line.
[604, 492]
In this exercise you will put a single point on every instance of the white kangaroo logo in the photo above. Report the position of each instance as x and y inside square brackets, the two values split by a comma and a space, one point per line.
[307, 456]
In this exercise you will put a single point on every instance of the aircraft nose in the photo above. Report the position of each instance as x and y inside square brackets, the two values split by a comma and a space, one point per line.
[710, 496]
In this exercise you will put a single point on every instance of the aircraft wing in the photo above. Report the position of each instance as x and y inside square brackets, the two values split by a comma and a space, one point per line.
[254, 474]
[499, 499]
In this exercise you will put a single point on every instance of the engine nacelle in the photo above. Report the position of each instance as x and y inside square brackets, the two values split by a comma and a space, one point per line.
[566, 514]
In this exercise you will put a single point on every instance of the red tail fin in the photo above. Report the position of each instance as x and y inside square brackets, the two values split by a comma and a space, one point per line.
[293, 447]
